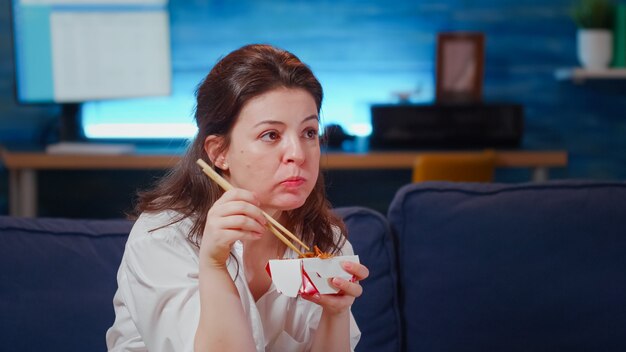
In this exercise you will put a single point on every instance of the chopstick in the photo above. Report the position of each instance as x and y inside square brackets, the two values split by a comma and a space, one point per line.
[272, 222]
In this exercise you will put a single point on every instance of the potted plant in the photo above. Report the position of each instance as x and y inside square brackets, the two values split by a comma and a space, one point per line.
[594, 19]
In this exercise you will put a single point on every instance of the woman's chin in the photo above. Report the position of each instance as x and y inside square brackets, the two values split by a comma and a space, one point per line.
[288, 204]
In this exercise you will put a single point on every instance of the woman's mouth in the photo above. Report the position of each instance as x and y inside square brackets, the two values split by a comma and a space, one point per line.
[293, 182]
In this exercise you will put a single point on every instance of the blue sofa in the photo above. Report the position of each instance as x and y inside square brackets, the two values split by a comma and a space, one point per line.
[512, 267]
[454, 267]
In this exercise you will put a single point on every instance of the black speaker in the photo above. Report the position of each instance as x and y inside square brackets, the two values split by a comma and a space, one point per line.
[465, 126]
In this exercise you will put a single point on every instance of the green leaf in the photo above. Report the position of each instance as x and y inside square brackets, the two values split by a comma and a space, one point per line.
[593, 14]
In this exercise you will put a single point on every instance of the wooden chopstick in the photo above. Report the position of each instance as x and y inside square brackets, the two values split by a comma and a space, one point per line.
[272, 222]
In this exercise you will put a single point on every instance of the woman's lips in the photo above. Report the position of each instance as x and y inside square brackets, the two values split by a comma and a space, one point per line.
[293, 182]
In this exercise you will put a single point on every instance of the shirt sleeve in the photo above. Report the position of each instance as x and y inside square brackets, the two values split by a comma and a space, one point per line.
[123, 335]
[158, 299]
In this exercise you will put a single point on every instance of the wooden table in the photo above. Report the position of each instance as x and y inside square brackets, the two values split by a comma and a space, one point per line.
[23, 166]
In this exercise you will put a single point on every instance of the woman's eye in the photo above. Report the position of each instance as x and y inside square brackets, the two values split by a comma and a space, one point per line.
[270, 136]
[310, 133]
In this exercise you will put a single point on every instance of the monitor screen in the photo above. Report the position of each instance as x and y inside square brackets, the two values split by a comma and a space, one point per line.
[71, 51]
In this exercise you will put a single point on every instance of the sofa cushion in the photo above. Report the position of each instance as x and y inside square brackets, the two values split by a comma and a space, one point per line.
[63, 272]
[376, 311]
[512, 267]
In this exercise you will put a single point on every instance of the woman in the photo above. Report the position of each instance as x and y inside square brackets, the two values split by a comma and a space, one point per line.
[193, 272]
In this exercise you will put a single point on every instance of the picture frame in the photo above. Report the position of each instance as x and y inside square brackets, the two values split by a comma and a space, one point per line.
[460, 67]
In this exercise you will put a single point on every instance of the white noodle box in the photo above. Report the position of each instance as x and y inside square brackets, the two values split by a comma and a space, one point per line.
[290, 275]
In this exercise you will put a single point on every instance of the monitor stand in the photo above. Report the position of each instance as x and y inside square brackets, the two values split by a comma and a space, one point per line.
[70, 128]
[72, 138]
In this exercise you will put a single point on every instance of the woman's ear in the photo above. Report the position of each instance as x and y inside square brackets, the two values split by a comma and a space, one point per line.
[214, 150]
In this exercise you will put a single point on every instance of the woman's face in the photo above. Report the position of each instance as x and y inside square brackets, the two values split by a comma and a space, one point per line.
[274, 148]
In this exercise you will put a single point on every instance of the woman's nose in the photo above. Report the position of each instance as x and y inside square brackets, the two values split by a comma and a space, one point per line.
[294, 151]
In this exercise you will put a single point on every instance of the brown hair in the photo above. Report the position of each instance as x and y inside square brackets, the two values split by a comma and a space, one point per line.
[240, 76]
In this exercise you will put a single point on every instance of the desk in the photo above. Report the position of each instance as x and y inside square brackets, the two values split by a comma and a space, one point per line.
[23, 166]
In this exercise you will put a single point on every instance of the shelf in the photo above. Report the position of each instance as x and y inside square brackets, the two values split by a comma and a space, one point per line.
[579, 75]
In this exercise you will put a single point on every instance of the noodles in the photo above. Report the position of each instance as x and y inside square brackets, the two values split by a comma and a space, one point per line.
[317, 253]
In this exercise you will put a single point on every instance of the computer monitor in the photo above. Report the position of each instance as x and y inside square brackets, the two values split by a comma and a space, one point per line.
[72, 51]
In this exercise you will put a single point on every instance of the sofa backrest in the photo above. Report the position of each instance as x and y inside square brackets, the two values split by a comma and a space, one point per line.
[57, 280]
[512, 267]
[376, 311]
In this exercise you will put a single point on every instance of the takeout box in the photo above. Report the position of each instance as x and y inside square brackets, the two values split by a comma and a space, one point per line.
[308, 275]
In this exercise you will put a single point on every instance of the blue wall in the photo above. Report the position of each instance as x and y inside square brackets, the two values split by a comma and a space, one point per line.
[371, 45]
[357, 42]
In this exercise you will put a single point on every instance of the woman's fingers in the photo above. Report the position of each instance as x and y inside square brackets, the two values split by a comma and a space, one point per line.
[351, 287]
[239, 207]
[238, 202]
[333, 303]
[360, 271]
[241, 223]
[234, 216]
[239, 234]
[348, 290]
[346, 287]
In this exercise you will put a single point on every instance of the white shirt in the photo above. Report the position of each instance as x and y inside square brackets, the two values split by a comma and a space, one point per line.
[157, 304]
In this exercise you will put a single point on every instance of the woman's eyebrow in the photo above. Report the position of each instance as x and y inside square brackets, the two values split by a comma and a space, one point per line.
[276, 122]
[312, 117]
[269, 122]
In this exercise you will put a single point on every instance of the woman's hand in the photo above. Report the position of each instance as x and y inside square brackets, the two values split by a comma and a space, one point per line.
[234, 216]
[336, 304]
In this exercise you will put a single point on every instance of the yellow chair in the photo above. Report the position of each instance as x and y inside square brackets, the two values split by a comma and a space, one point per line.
[459, 167]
